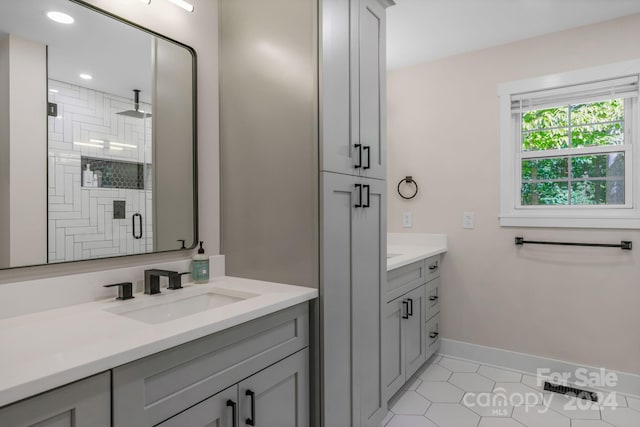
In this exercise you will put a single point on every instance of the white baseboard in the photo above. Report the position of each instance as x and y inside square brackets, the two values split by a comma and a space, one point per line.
[626, 383]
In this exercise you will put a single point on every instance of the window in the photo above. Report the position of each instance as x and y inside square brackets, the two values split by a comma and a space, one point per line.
[567, 143]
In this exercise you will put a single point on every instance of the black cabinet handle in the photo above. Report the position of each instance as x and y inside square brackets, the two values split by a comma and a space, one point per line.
[359, 204]
[405, 304]
[359, 164]
[133, 219]
[433, 298]
[433, 267]
[251, 421]
[368, 148]
[234, 419]
[410, 313]
[433, 334]
[368, 188]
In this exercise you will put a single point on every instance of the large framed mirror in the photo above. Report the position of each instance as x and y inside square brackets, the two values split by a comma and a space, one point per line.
[97, 136]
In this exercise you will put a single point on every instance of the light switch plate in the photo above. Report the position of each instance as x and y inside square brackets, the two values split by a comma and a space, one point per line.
[407, 220]
[468, 220]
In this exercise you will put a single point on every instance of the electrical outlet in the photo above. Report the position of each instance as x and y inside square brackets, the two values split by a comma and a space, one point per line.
[468, 220]
[407, 220]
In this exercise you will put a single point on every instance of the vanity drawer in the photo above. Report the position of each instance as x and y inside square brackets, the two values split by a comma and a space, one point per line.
[433, 267]
[432, 330]
[433, 298]
[155, 388]
[404, 279]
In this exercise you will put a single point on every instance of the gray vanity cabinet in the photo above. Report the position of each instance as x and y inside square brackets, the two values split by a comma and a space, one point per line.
[353, 268]
[83, 403]
[354, 87]
[151, 390]
[404, 338]
[275, 396]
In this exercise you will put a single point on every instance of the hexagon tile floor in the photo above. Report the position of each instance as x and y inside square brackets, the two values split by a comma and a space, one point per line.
[458, 393]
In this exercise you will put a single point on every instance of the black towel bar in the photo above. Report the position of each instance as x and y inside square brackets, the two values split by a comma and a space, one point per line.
[625, 244]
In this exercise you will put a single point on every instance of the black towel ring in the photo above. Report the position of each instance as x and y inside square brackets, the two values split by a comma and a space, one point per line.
[408, 180]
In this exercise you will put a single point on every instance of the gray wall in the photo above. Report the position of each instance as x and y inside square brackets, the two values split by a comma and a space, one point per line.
[269, 119]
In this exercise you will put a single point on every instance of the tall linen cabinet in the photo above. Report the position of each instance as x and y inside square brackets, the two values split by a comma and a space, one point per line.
[302, 129]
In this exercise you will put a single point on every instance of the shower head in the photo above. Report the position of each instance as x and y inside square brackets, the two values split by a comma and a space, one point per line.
[135, 113]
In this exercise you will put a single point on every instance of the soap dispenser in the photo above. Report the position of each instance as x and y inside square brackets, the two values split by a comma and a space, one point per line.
[88, 177]
[200, 266]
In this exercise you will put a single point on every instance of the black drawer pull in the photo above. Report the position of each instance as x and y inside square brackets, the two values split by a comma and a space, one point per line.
[234, 420]
[405, 304]
[410, 306]
[433, 335]
[433, 298]
[433, 267]
[359, 164]
[251, 421]
[368, 148]
[368, 188]
[359, 204]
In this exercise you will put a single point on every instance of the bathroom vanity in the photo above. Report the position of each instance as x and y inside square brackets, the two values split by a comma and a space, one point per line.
[231, 350]
[411, 319]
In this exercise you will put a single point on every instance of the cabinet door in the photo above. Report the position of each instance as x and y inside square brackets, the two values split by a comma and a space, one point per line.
[353, 268]
[337, 148]
[217, 411]
[339, 196]
[83, 403]
[369, 273]
[393, 358]
[277, 396]
[414, 344]
[368, 86]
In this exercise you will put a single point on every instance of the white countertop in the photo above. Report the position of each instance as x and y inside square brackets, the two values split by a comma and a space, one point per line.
[406, 248]
[51, 348]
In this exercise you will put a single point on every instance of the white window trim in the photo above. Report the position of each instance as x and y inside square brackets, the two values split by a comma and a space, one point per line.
[511, 215]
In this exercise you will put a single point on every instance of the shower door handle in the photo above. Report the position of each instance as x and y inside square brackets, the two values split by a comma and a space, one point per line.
[133, 219]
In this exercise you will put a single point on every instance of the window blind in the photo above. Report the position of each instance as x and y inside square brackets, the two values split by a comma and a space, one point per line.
[623, 87]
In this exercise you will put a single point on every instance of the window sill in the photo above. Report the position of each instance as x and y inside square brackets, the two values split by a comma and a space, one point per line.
[629, 221]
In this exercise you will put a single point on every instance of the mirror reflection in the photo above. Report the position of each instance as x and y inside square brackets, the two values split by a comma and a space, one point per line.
[96, 136]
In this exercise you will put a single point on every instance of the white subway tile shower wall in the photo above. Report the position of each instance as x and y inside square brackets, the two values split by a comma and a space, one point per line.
[81, 223]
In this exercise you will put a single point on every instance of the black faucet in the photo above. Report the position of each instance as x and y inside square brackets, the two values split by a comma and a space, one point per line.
[152, 280]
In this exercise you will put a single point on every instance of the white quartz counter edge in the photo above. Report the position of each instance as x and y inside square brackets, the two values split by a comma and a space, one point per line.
[44, 350]
[402, 255]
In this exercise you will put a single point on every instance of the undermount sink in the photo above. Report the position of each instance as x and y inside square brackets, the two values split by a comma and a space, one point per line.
[392, 255]
[175, 307]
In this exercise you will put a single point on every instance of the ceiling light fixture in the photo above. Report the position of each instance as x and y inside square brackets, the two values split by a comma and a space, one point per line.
[86, 144]
[120, 144]
[183, 4]
[99, 141]
[60, 18]
[116, 148]
[85, 76]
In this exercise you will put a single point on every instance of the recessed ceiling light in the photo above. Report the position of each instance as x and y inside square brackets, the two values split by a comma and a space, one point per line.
[85, 76]
[183, 4]
[60, 18]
